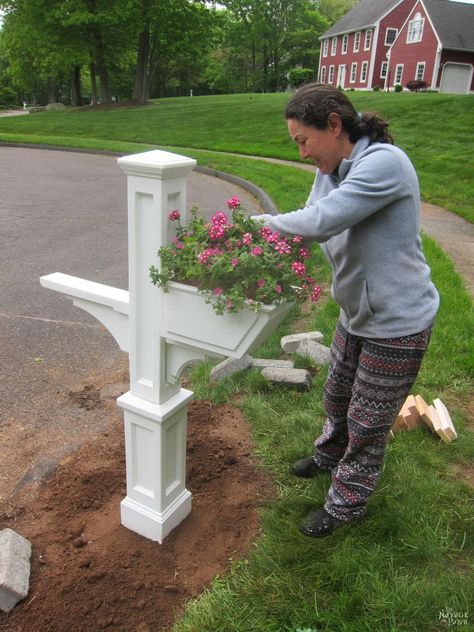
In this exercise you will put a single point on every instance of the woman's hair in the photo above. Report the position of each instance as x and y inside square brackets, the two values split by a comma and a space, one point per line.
[313, 102]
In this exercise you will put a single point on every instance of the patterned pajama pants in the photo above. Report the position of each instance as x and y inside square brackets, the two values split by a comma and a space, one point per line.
[367, 383]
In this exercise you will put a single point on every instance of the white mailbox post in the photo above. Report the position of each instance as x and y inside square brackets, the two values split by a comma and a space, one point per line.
[162, 332]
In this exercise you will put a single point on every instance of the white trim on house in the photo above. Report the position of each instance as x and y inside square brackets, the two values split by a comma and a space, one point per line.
[420, 64]
[345, 44]
[354, 49]
[415, 30]
[437, 63]
[383, 75]
[395, 75]
[375, 39]
[353, 75]
[324, 52]
[331, 74]
[334, 46]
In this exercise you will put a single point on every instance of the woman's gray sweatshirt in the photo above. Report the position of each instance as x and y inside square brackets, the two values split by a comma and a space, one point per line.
[367, 219]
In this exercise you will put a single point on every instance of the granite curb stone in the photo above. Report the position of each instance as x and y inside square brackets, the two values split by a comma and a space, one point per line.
[297, 378]
[229, 366]
[15, 554]
[316, 352]
[290, 343]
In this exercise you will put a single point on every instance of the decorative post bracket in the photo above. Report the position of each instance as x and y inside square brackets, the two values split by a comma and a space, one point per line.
[162, 333]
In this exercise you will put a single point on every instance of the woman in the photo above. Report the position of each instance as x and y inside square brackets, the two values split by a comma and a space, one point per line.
[364, 209]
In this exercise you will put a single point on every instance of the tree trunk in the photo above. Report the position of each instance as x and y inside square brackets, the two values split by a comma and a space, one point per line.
[106, 96]
[51, 90]
[140, 87]
[76, 94]
[93, 83]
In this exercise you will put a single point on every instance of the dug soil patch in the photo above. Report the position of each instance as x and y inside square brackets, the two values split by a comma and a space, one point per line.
[90, 573]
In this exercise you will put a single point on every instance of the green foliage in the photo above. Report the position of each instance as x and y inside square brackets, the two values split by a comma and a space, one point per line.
[235, 262]
[298, 76]
[8, 97]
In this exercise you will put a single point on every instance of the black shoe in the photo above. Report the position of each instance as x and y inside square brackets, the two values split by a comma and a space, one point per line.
[319, 524]
[306, 468]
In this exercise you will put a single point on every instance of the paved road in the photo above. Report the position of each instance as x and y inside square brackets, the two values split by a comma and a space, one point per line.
[65, 212]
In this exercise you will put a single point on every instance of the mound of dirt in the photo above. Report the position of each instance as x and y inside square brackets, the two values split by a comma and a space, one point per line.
[90, 573]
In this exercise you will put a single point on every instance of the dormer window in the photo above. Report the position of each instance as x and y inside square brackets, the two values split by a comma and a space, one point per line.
[415, 29]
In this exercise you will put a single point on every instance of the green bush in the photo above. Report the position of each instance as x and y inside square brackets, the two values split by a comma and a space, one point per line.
[398, 87]
[376, 88]
[298, 76]
[8, 97]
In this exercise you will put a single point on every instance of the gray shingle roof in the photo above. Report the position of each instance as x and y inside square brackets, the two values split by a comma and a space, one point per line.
[365, 13]
[453, 22]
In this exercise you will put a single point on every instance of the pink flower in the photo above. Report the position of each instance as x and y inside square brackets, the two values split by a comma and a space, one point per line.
[219, 218]
[283, 247]
[256, 251]
[217, 231]
[297, 239]
[315, 294]
[174, 215]
[229, 305]
[278, 288]
[234, 202]
[247, 239]
[298, 268]
[218, 291]
[234, 262]
[305, 253]
[206, 254]
[261, 282]
[265, 233]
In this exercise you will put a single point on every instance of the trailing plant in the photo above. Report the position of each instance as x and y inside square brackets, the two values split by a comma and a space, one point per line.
[235, 262]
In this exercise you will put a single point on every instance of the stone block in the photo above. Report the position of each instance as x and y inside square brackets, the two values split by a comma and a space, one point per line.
[229, 366]
[316, 352]
[15, 553]
[262, 363]
[289, 344]
[297, 378]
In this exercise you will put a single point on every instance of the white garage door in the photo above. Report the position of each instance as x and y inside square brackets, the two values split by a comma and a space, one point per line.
[456, 78]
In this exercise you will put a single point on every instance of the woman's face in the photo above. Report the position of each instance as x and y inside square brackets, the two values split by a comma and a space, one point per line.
[326, 148]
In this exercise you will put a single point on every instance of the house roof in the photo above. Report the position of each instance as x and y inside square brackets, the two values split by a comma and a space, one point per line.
[365, 13]
[453, 23]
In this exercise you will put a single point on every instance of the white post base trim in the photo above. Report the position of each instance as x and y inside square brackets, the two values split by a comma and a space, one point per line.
[152, 524]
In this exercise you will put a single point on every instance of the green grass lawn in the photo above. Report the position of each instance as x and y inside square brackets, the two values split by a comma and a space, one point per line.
[435, 130]
[411, 559]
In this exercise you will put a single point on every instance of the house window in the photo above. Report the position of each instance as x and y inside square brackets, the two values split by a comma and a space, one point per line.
[398, 74]
[420, 71]
[333, 45]
[345, 41]
[322, 78]
[383, 69]
[356, 41]
[325, 47]
[353, 72]
[390, 35]
[331, 74]
[415, 29]
[363, 71]
[368, 39]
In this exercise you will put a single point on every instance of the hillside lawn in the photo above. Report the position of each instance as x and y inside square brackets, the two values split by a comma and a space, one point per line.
[410, 561]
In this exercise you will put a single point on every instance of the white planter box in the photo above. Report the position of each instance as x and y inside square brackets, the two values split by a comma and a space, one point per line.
[190, 321]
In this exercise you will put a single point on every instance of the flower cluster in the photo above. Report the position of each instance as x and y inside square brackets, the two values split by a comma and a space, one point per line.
[235, 261]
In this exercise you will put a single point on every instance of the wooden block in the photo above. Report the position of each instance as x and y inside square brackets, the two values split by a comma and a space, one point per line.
[437, 425]
[399, 424]
[423, 410]
[447, 425]
[410, 413]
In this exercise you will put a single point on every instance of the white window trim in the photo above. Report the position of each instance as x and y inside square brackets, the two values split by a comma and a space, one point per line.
[411, 29]
[345, 44]
[383, 65]
[333, 46]
[363, 71]
[325, 47]
[418, 65]
[395, 74]
[355, 48]
[368, 36]
[331, 74]
[323, 74]
[353, 75]
[386, 35]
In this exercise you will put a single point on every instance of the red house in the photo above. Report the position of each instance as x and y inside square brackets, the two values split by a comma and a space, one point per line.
[436, 45]
[354, 50]
[388, 42]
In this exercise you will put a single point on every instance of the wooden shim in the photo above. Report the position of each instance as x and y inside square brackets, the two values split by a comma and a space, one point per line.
[437, 425]
[446, 423]
[409, 413]
[424, 412]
